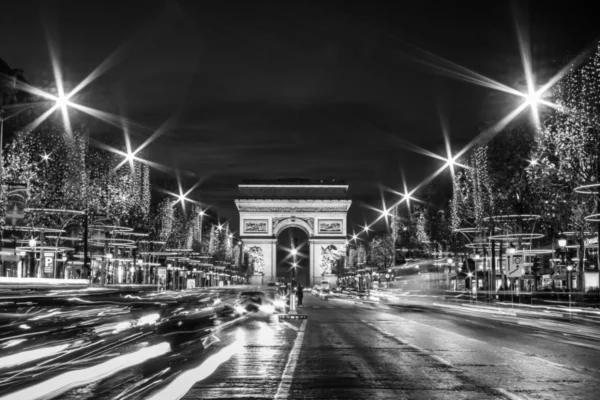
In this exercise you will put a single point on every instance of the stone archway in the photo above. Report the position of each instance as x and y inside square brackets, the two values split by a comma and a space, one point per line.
[284, 259]
[319, 210]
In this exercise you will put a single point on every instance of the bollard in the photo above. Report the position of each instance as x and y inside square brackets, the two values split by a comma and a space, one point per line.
[293, 303]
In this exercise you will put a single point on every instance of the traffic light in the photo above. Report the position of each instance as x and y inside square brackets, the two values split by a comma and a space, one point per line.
[536, 264]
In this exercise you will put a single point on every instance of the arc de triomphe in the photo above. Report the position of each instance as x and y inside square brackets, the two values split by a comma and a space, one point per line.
[267, 209]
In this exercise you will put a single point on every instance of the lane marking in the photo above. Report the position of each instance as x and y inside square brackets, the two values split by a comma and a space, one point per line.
[508, 394]
[290, 325]
[287, 377]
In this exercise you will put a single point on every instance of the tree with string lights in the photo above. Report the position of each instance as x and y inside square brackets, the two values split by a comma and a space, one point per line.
[473, 192]
[567, 153]
[567, 146]
[382, 250]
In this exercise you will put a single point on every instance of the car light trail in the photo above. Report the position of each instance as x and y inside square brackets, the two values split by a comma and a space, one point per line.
[62, 383]
[184, 382]
[30, 355]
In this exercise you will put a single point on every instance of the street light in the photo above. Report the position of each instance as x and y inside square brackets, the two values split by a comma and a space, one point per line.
[569, 284]
[569, 278]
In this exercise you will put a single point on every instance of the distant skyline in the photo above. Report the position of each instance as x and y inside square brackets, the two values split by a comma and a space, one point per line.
[266, 90]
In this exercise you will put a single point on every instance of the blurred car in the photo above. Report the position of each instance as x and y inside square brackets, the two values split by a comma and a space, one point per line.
[258, 303]
[325, 293]
[316, 290]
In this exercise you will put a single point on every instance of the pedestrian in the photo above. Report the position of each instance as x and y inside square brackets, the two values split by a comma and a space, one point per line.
[300, 294]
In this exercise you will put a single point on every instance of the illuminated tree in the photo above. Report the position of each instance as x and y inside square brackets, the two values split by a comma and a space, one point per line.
[213, 241]
[567, 149]
[361, 254]
[382, 250]
[353, 257]
[395, 224]
[228, 244]
[421, 224]
[473, 191]
[165, 219]
[194, 229]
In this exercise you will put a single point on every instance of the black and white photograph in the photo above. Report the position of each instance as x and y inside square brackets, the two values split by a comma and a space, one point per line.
[330, 199]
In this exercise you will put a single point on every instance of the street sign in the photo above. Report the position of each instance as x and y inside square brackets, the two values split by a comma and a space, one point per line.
[514, 269]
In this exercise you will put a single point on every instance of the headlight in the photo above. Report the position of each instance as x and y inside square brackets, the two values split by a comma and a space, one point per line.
[148, 319]
[267, 309]
[240, 310]
[279, 304]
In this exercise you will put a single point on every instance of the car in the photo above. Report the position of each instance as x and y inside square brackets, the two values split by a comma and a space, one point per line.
[325, 293]
[316, 290]
[258, 303]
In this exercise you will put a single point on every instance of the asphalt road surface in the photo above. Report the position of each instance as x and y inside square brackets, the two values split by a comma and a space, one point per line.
[348, 350]
[344, 350]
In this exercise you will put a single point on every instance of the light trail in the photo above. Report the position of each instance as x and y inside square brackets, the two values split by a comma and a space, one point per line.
[64, 382]
[30, 355]
[179, 386]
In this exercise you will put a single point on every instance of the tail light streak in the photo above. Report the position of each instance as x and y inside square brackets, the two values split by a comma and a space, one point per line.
[64, 382]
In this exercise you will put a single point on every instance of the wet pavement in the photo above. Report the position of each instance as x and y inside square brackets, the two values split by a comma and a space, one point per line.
[344, 350]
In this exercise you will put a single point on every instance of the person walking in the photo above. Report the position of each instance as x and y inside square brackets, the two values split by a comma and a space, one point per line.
[300, 294]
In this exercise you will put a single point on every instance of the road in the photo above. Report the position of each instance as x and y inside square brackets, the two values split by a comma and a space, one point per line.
[355, 351]
[343, 350]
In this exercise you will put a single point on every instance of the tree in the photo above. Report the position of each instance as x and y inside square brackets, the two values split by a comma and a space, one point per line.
[567, 149]
[62, 172]
[421, 224]
[213, 241]
[395, 224]
[361, 255]
[194, 229]
[353, 257]
[473, 192]
[382, 250]
[228, 245]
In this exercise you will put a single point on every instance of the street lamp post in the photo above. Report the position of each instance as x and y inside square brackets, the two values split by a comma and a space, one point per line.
[562, 243]
[569, 284]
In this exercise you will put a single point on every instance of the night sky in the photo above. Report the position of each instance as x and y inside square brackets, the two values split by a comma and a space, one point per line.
[267, 90]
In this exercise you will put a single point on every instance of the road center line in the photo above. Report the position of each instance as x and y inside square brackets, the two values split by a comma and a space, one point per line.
[509, 395]
[290, 325]
[286, 378]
